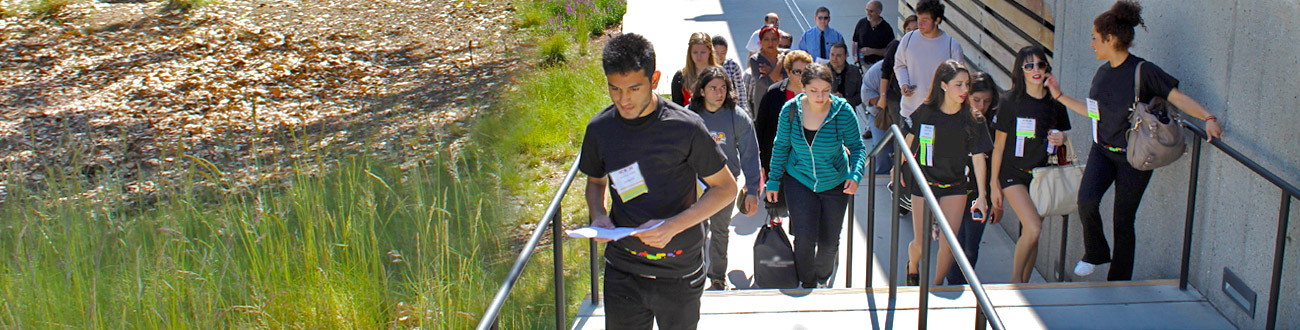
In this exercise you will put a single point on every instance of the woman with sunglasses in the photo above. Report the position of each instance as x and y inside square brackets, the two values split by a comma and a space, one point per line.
[769, 111]
[809, 160]
[948, 140]
[1029, 126]
[1108, 104]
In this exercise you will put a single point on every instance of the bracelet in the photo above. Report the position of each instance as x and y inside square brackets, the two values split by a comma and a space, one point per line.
[1211, 118]
[1058, 96]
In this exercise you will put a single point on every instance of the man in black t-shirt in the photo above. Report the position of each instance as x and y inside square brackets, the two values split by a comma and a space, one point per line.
[650, 152]
[872, 35]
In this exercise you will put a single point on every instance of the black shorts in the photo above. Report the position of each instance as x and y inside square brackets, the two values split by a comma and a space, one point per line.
[1010, 176]
[941, 190]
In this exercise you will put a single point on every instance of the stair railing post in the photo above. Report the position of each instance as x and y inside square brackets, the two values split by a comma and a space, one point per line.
[557, 246]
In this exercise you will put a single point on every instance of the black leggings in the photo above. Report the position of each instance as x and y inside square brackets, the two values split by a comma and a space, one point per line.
[1104, 168]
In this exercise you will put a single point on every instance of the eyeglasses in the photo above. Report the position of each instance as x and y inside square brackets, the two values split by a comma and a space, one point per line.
[1029, 66]
[823, 17]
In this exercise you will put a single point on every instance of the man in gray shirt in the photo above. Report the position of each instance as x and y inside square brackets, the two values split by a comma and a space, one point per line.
[867, 117]
[733, 131]
[919, 53]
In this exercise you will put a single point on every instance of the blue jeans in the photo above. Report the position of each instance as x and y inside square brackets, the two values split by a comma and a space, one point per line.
[884, 159]
[816, 219]
[970, 235]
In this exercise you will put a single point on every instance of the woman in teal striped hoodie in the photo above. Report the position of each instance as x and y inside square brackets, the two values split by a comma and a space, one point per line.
[809, 157]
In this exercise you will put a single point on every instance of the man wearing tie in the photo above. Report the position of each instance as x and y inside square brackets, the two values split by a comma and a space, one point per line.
[817, 41]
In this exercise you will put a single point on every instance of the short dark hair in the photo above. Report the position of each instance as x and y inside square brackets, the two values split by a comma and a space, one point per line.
[1119, 21]
[932, 7]
[822, 9]
[718, 40]
[840, 45]
[817, 71]
[627, 53]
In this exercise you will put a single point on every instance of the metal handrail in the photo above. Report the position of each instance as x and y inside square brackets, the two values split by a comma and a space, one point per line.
[550, 218]
[903, 152]
[1289, 191]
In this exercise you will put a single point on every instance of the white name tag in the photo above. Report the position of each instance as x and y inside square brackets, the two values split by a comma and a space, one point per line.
[1095, 113]
[628, 182]
[927, 145]
[1025, 128]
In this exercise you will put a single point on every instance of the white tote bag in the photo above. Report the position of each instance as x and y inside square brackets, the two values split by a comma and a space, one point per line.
[1055, 188]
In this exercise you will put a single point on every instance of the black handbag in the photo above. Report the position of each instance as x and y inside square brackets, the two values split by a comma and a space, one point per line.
[774, 257]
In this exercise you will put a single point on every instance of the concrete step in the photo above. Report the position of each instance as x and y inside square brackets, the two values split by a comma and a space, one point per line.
[1110, 305]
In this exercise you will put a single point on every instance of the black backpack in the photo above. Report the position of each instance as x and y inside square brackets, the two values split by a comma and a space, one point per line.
[774, 257]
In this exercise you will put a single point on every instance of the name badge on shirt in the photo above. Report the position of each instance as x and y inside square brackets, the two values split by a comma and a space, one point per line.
[1094, 111]
[629, 183]
[927, 145]
[1024, 130]
[1095, 114]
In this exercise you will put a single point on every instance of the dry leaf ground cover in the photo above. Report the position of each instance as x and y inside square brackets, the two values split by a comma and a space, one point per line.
[283, 164]
[240, 88]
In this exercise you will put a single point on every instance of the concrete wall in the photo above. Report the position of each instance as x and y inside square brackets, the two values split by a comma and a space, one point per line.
[1241, 60]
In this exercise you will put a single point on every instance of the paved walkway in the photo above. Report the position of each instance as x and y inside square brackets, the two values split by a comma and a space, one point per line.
[669, 23]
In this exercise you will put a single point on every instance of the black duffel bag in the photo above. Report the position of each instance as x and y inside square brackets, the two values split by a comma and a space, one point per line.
[774, 257]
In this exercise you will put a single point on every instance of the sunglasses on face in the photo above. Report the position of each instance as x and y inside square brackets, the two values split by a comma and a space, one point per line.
[796, 72]
[1029, 66]
[823, 17]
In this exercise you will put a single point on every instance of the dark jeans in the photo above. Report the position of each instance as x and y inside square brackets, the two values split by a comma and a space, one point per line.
[633, 301]
[884, 159]
[969, 236]
[816, 219]
[715, 254]
[1105, 168]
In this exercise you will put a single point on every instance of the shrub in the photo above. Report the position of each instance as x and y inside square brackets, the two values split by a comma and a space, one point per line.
[553, 48]
[184, 5]
[48, 8]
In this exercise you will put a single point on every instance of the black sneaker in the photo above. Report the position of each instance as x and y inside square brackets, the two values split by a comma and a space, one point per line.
[718, 284]
[913, 279]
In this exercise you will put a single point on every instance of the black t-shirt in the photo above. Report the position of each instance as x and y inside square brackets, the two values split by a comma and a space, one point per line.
[991, 120]
[866, 36]
[887, 72]
[671, 147]
[1047, 114]
[955, 138]
[1112, 88]
[766, 118]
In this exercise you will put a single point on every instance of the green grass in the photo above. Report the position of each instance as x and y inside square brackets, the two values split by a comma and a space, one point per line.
[312, 255]
[47, 8]
[364, 246]
[183, 5]
[555, 24]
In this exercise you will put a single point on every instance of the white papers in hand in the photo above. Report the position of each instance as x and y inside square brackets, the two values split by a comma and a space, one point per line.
[609, 234]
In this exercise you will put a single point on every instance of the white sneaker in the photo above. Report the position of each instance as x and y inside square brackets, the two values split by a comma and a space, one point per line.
[1084, 268]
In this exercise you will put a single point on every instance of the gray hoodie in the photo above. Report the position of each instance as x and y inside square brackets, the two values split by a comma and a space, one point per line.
[734, 133]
